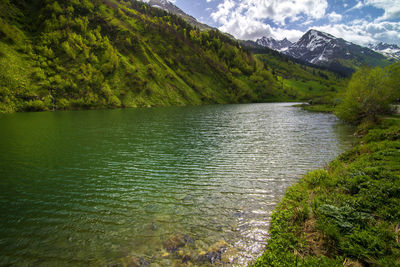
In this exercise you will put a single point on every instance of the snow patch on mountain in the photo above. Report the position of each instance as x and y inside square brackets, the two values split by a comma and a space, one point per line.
[388, 50]
[270, 42]
[322, 49]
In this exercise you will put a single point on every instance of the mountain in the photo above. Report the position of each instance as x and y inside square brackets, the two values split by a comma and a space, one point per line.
[326, 50]
[171, 8]
[388, 50]
[107, 54]
[270, 42]
[64, 55]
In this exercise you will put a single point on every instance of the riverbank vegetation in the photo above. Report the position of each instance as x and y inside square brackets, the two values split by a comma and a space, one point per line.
[348, 214]
[371, 92]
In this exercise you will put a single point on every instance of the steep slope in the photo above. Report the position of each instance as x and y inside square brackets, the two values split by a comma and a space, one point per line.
[388, 50]
[98, 54]
[270, 42]
[326, 50]
[297, 79]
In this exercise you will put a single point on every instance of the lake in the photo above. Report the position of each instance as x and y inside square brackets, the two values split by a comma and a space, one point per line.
[106, 187]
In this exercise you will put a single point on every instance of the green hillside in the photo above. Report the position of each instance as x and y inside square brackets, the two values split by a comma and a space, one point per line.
[301, 82]
[83, 54]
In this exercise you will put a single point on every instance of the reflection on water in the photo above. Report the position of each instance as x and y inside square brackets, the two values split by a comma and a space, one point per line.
[102, 187]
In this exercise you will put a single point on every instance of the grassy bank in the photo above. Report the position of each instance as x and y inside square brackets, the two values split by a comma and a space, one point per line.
[347, 214]
[317, 107]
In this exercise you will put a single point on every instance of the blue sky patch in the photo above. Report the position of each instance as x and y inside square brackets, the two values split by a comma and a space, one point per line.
[358, 21]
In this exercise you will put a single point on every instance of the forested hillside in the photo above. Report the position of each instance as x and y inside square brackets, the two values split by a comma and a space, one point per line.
[83, 54]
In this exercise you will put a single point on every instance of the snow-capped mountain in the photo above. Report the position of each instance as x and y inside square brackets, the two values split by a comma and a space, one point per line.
[388, 50]
[270, 42]
[322, 48]
[326, 50]
[170, 7]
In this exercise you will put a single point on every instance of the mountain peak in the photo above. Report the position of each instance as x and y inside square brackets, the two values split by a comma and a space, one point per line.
[274, 44]
[318, 34]
[324, 49]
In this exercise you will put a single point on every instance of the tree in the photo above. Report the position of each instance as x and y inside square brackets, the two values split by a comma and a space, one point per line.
[370, 93]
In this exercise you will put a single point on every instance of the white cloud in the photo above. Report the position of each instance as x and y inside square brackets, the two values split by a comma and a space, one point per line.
[277, 10]
[359, 5]
[334, 17]
[291, 35]
[281, 10]
[243, 28]
[390, 7]
[246, 20]
[363, 32]
[224, 12]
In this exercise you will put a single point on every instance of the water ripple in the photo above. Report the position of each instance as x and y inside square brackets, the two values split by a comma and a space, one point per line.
[91, 187]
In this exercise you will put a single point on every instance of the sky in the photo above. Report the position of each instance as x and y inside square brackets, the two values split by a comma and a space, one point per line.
[357, 21]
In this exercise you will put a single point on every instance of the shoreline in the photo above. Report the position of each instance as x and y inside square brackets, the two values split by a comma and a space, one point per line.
[346, 214]
[155, 106]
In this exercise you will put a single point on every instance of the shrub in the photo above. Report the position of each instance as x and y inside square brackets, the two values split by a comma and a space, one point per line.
[114, 101]
[369, 94]
[316, 178]
[63, 103]
[35, 105]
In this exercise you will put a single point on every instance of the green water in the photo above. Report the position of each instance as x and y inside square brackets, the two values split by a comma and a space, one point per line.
[94, 187]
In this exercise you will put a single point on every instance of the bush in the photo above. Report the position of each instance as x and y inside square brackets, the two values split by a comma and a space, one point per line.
[114, 101]
[393, 133]
[35, 105]
[63, 104]
[369, 94]
[316, 178]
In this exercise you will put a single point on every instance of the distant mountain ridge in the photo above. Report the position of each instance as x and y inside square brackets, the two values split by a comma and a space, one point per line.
[270, 42]
[324, 49]
[388, 50]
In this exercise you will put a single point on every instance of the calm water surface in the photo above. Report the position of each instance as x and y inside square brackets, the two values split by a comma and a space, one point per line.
[93, 187]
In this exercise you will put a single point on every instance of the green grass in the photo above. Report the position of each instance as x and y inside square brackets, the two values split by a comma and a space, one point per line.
[317, 108]
[303, 82]
[15, 78]
[347, 214]
[310, 89]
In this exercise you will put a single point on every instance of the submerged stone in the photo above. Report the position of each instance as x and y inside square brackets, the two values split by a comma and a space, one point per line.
[230, 255]
[189, 239]
[213, 254]
[174, 242]
[220, 247]
[186, 258]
